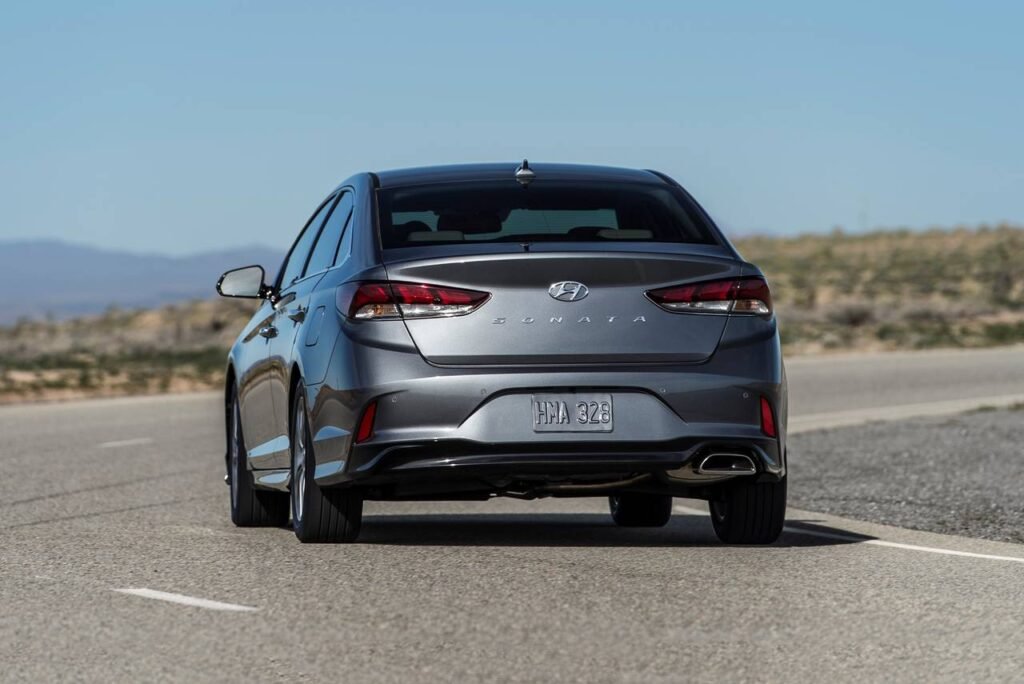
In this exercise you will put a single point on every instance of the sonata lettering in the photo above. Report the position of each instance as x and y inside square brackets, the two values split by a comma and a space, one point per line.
[558, 320]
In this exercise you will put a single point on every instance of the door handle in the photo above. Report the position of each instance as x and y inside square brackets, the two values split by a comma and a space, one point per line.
[268, 331]
[298, 315]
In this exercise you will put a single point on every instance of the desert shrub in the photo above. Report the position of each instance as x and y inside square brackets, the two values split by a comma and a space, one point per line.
[86, 379]
[851, 315]
[1004, 333]
[889, 332]
[925, 314]
[934, 334]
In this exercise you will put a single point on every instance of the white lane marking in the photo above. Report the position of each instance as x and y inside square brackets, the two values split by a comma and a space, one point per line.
[897, 545]
[689, 511]
[185, 600]
[137, 441]
[873, 542]
[820, 421]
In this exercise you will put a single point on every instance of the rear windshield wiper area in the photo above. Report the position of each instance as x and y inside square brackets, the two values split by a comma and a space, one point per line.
[555, 211]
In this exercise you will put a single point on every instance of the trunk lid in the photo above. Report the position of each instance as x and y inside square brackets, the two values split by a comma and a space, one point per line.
[523, 324]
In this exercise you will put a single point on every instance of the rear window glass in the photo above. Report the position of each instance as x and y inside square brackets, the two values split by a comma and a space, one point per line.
[552, 211]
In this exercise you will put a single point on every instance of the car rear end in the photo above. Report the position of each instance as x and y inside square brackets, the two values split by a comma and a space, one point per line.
[586, 332]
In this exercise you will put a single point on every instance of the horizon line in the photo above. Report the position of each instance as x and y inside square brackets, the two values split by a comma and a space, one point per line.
[732, 234]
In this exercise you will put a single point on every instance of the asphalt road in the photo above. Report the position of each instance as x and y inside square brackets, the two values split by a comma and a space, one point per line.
[961, 474]
[118, 563]
[824, 389]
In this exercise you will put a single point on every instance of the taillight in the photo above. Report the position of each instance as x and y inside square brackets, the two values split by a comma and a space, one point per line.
[383, 300]
[365, 429]
[735, 295]
[768, 419]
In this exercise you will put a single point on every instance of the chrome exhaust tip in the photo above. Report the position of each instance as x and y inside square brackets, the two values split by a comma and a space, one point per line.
[726, 464]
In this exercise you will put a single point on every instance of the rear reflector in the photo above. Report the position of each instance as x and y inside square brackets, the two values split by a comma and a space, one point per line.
[383, 300]
[767, 419]
[736, 295]
[365, 429]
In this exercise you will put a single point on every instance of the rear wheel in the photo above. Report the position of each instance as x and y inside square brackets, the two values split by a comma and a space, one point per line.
[318, 515]
[640, 510]
[747, 512]
[250, 507]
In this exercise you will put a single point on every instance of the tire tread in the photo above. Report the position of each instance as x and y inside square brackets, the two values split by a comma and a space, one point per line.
[331, 515]
[751, 512]
[255, 508]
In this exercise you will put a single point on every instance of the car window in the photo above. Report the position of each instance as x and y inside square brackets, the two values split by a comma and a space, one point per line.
[326, 249]
[345, 248]
[553, 211]
[296, 261]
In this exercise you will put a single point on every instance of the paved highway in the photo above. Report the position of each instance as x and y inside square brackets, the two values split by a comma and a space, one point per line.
[824, 389]
[118, 563]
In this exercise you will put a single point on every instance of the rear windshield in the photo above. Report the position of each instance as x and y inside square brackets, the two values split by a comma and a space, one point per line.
[544, 211]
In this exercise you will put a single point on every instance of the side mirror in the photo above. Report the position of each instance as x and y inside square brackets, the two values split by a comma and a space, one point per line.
[245, 282]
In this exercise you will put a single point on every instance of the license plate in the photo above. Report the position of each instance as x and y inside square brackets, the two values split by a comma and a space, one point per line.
[572, 412]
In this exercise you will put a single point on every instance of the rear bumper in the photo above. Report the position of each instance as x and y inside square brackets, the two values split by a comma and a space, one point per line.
[474, 425]
[423, 467]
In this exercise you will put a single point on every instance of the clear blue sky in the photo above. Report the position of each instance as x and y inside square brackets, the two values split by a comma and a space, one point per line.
[181, 127]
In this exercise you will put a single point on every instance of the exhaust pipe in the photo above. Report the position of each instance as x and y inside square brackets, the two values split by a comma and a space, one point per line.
[726, 464]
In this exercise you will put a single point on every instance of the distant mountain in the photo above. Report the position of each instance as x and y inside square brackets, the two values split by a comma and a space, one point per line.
[40, 278]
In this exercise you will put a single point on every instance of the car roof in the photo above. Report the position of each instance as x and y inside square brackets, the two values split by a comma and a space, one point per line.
[502, 171]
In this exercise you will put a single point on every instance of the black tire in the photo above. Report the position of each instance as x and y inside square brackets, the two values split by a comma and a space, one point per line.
[250, 507]
[748, 512]
[318, 515]
[640, 510]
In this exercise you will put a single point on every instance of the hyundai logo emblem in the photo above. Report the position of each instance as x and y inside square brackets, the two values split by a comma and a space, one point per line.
[568, 291]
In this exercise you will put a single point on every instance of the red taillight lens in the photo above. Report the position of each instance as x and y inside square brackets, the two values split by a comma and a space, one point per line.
[365, 429]
[767, 419]
[735, 295]
[371, 300]
[367, 301]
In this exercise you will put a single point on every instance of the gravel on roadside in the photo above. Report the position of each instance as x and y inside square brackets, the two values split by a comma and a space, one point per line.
[959, 475]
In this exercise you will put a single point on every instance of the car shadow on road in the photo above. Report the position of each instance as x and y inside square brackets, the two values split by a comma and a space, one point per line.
[570, 529]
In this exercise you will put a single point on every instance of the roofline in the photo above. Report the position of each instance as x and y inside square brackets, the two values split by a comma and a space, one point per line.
[500, 171]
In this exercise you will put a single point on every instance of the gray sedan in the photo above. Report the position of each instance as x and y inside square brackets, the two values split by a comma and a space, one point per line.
[519, 330]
